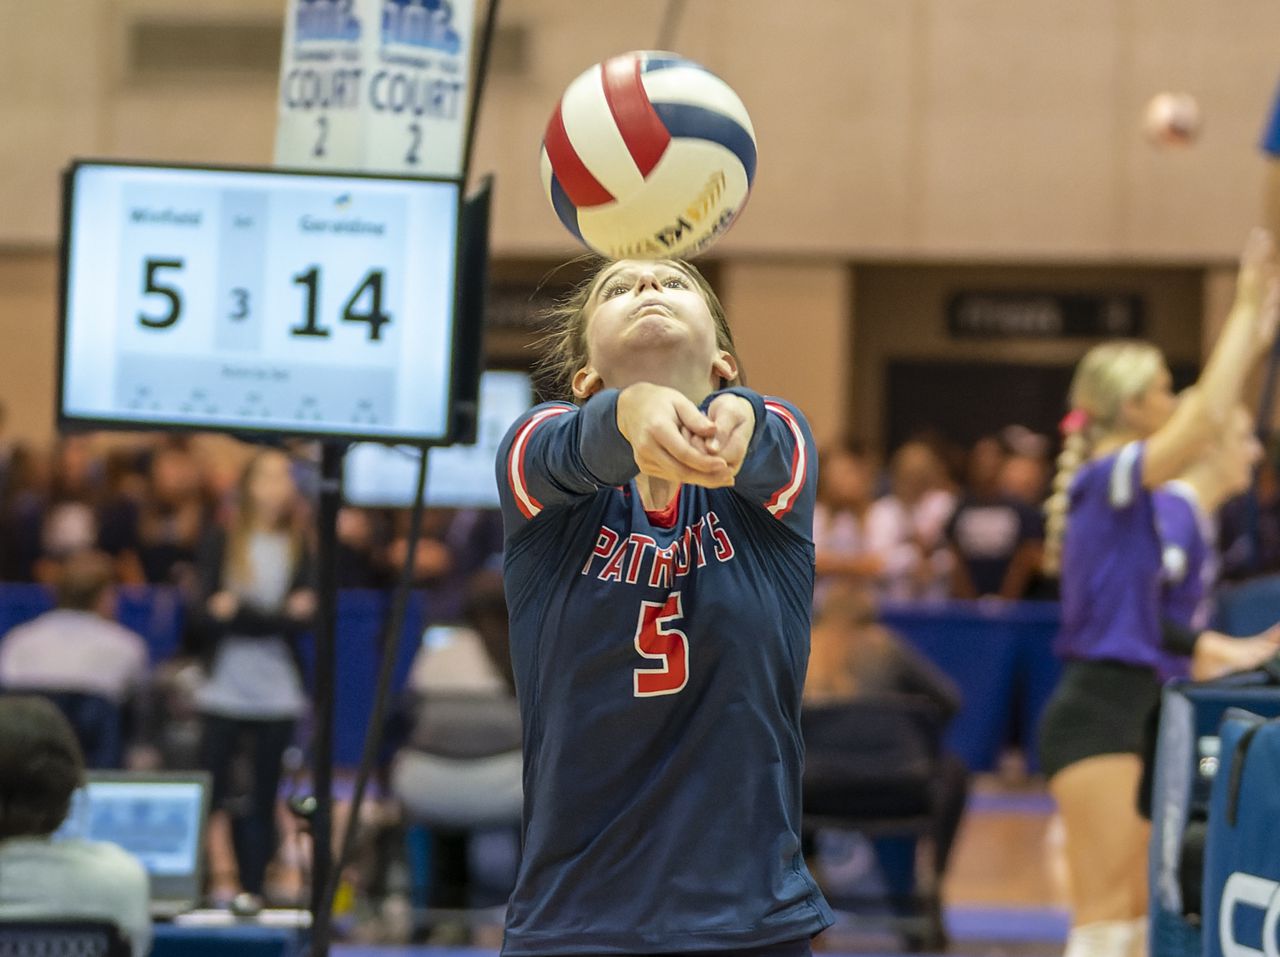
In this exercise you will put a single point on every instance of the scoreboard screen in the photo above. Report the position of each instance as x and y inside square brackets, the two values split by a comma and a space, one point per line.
[259, 300]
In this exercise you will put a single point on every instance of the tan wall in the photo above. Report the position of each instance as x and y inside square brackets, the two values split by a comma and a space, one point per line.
[792, 323]
[28, 343]
[891, 132]
[888, 128]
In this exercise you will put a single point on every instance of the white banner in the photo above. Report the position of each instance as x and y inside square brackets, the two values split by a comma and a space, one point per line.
[376, 85]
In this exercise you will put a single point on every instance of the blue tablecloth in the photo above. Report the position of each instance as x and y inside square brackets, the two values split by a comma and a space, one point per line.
[1000, 654]
[240, 940]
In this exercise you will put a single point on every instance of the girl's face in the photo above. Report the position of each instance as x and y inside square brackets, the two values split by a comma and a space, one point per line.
[846, 479]
[915, 471]
[271, 488]
[1151, 408]
[644, 311]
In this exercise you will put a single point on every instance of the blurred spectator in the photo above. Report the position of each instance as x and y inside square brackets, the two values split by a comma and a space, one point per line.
[474, 539]
[452, 545]
[1249, 525]
[432, 558]
[41, 766]
[846, 490]
[361, 545]
[1021, 441]
[170, 520]
[70, 517]
[905, 528]
[1025, 478]
[253, 598]
[124, 488]
[996, 539]
[22, 513]
[853, 656]
[78, 646]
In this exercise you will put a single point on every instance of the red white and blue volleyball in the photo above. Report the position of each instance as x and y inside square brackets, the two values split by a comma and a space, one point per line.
[648, 155]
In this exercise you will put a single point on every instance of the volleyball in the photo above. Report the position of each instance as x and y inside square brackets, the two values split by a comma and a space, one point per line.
[1172, 119]
[648, 156]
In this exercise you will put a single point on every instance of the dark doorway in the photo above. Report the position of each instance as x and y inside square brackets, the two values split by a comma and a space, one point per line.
[963, 401]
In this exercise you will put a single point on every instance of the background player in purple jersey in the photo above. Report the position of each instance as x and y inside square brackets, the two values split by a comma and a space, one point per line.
[659, 572]
[1126, 434]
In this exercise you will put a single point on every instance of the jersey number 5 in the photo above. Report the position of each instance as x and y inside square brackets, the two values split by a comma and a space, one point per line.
[656, 639]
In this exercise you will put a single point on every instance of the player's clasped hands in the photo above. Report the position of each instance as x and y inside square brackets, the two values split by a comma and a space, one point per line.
[673, 440]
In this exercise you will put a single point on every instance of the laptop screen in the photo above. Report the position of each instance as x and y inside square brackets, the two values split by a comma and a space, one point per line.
[158, 817]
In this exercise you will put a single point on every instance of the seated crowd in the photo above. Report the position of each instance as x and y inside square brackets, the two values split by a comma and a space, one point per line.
[228, 529]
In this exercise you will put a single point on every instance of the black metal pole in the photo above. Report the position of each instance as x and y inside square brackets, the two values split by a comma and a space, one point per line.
[483, 49]
[325, 645]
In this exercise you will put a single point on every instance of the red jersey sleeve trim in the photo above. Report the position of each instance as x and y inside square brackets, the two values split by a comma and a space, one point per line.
[782, 501]
[529, 506]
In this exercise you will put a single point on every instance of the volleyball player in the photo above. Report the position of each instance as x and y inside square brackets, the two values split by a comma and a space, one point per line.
[1126, 435]
[659, 572]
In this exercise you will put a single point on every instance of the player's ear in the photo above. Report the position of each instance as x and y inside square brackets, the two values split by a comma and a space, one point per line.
[586, 383]
[725, 367]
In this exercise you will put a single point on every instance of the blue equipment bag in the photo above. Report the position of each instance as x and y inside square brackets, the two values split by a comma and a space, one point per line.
[1186, 759]
[1242, 853]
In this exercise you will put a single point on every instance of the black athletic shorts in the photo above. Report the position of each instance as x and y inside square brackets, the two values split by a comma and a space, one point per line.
[1099, 707]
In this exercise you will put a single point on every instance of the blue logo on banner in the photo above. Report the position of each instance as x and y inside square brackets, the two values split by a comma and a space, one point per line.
[420, 23]
[326, 20]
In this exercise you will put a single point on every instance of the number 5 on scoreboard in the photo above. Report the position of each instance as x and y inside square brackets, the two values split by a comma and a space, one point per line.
[656, 639]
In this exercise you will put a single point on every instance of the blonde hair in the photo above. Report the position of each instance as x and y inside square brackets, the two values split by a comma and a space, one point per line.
[1107, 377]
[564, 346]
[238, 568]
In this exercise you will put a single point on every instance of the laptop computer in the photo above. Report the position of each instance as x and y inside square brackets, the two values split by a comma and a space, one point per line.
[158, 816]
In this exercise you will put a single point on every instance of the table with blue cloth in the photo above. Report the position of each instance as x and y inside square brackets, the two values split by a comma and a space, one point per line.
[236, 940]
[1000, 654]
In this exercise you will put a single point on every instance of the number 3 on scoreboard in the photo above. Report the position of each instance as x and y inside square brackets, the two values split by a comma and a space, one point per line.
[656, 639]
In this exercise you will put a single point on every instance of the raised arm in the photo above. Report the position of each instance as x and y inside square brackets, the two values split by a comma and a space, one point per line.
[1245, 337]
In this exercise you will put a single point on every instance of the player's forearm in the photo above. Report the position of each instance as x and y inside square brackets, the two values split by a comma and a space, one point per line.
[605, 451]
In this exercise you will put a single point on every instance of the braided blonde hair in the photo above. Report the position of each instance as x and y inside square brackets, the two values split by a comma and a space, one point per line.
[1107, 377]
[564, 346]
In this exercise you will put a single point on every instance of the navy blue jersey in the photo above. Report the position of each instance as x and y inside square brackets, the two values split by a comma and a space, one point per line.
[659, 662]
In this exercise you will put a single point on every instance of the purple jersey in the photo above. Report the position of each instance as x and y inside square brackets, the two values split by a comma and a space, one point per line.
[1190, 558]
[659, 660]
[1271, 135]
[1112, 576]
